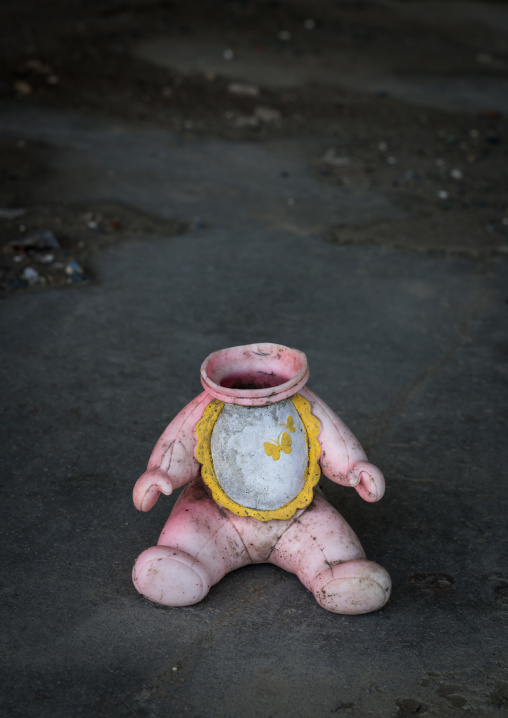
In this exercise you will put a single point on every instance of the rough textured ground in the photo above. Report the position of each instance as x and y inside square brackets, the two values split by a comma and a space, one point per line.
[354, 207]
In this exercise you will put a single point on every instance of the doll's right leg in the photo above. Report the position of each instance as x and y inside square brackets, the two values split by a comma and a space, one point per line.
[196, 548]
[326, 555]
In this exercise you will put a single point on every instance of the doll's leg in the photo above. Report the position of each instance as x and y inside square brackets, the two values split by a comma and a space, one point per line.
[196, 548]
[324, 552]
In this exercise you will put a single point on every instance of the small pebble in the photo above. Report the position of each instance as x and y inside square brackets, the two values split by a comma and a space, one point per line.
[46, 258]
[291, 201]
[456, 173]
[505, 221]
[382, 146]
[30, 275]
[267, 114]
[228, 54]
[309, 24]
[442, 194]
[284, 35]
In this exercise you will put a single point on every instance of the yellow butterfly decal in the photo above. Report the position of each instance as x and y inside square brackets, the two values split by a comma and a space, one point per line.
[289, 425]
[283, 443]
[272, 449]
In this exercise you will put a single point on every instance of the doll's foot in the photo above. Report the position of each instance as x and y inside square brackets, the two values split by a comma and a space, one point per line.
[352, 587]
[170, 577]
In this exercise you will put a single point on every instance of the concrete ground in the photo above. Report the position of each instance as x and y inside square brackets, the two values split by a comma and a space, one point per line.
[364, 221]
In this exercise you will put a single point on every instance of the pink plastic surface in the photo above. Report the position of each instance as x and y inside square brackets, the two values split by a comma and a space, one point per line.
[172, 463]
[255, 374]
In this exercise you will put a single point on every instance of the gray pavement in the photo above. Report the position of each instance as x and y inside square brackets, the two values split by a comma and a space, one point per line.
[408, 347]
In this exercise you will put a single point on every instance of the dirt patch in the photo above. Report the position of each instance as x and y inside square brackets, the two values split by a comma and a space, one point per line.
[446, 168]
[52, 245]
[499, 697]
[459, 233]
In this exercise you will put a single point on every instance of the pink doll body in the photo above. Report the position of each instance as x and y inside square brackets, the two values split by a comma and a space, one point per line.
[242, 503]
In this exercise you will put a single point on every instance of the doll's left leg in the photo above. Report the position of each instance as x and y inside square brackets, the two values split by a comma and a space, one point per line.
[326, 555]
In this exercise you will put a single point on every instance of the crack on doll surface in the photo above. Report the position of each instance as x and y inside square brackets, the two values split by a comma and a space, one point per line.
[167, 457]
[241, 539]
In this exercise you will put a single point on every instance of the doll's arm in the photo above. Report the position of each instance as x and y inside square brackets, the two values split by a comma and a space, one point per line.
[172, 463]
[342, 458]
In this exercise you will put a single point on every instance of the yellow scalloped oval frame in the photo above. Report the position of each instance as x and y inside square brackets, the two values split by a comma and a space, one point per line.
[204, 429]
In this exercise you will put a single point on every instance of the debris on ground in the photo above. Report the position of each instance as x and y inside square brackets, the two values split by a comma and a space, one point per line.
[267, 114]
[75, 271]
[31, 275]
[40, 240]
[60, 240]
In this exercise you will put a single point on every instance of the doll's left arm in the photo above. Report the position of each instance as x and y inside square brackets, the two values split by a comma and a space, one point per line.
[342, 458]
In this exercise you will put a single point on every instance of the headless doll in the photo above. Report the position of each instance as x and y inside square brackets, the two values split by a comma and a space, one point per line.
[250, 450]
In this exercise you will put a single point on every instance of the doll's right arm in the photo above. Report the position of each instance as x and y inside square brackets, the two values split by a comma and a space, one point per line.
[172, 463]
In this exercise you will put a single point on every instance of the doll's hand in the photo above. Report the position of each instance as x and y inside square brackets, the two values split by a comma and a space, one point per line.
[148, 488]
[368, 480]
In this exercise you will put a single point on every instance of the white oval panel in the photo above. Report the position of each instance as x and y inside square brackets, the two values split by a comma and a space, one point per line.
[246, 473]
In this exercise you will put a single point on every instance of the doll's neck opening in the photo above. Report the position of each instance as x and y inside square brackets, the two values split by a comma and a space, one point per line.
[254, 374]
